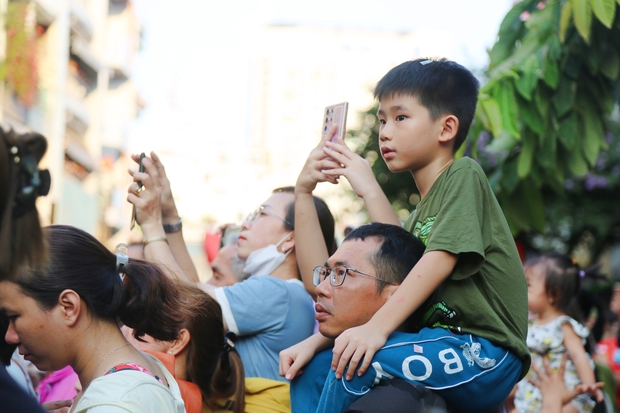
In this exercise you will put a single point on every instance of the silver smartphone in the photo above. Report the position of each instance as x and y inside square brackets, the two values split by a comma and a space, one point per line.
[335, 115]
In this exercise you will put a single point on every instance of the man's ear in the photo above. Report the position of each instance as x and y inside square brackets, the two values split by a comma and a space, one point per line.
[70, 304]
[388, 290]
[449, 128]
[289, 243]
[180, 343]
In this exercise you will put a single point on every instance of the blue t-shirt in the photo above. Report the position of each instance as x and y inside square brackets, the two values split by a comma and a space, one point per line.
[268, 315]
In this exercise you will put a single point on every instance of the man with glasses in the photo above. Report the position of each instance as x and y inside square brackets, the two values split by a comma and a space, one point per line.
[351, 286]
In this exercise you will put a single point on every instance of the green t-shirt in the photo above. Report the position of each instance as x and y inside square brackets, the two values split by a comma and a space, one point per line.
[486, 294]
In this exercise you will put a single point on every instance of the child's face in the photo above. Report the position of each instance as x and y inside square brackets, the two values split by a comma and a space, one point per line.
[537, 299]
[408, 137]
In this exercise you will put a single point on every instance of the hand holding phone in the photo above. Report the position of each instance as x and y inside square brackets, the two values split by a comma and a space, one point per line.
[140, 186]
[335, 115]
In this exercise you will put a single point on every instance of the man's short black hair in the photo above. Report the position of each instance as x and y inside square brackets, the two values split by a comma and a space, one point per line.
[440, 85]
[398, 253]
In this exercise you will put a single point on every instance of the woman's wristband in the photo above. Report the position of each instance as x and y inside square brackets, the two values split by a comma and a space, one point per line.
[170, 228]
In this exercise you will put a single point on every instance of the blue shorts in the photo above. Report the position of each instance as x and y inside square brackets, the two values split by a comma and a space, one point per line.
[471, 373]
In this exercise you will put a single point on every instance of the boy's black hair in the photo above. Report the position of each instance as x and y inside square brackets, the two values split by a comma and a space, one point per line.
[440, 85]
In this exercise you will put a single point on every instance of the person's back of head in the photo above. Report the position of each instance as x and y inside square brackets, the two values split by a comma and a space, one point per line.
[440, 85]
[399, 252]
[21, 182]
[326, 219]
[212, 362]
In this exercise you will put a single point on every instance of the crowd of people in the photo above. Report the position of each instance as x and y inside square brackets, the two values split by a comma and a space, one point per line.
[436, 314]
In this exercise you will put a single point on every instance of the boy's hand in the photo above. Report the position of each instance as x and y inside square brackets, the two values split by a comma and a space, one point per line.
[353, 345]
[356, 169]
[295, 357]
[316, 165]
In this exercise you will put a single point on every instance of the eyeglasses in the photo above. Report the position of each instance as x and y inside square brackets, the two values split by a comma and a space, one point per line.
[262, 210]
[337, 275]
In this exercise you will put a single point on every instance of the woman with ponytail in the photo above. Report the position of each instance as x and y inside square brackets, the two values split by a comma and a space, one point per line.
[68, 313]
[202, 358]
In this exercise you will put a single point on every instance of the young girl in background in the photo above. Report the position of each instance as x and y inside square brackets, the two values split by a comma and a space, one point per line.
[553, 285]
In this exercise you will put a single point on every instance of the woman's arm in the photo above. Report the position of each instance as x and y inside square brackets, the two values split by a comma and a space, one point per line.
[147, 202]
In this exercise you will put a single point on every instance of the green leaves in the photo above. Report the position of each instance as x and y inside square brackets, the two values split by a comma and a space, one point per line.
[583, 17]
[565, 19]
[610, 65]
[564, 98]
[546, 104]
[605, 11]
[490, 115]
[505, 96]
[529, 78]
[581, 11]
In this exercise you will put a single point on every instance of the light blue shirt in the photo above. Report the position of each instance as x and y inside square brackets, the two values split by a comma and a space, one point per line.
[268, 315]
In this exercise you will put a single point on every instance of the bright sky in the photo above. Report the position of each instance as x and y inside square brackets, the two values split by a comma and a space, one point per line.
[193, 69]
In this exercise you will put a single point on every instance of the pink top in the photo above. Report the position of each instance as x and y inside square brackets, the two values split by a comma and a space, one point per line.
[59, 385]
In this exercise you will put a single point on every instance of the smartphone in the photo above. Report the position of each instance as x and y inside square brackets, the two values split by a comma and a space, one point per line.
[133, 209]
[335, 115]
[141, 168]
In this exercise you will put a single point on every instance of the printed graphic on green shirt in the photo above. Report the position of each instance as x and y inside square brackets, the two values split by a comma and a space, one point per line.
[422, 229]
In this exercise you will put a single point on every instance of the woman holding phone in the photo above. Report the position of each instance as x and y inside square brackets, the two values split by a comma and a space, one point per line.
[270, 310]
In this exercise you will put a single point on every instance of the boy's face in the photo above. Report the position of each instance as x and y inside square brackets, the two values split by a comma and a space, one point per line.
[408, 137]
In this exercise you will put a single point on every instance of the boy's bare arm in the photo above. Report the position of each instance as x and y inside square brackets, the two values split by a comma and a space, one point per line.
[309, 245]
[311, 250]
[364, 341]
[359, 174]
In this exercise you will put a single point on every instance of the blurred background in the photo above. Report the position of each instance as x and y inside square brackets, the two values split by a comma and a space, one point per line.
[231, 95]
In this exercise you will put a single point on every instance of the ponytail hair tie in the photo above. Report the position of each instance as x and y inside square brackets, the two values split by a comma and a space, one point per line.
[122, 260]
[229, 343]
